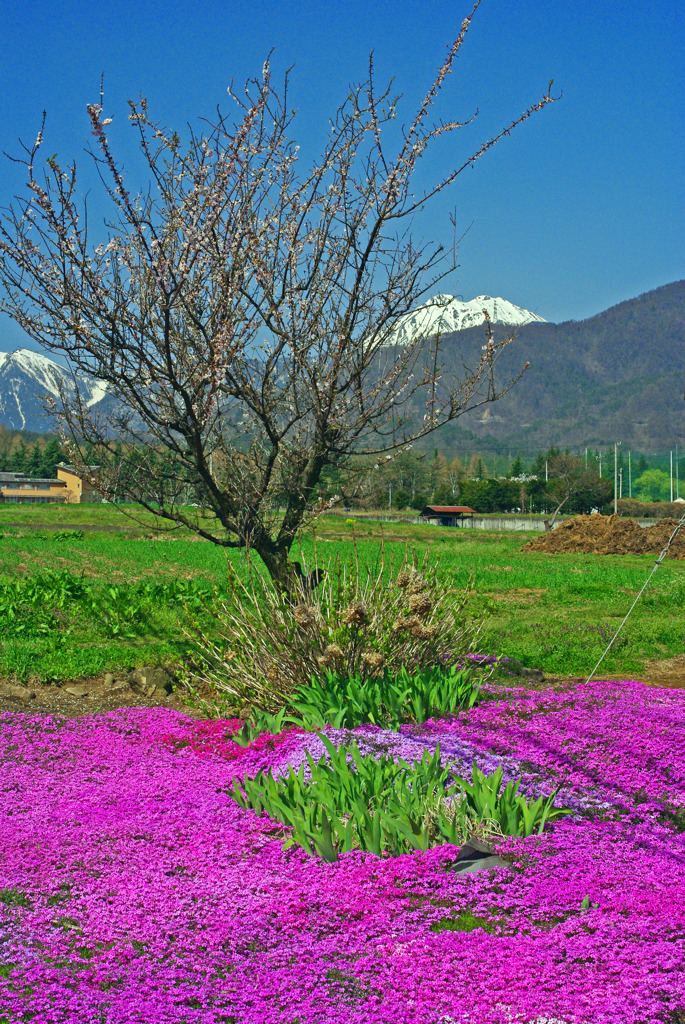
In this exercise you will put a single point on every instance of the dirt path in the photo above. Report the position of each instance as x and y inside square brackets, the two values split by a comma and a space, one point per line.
[669, 673]
[74, 698]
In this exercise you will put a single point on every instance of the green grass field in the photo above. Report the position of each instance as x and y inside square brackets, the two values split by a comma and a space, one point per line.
[99, 515]
[73, 604]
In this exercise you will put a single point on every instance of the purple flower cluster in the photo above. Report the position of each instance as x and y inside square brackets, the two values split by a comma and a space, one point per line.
[134, 891]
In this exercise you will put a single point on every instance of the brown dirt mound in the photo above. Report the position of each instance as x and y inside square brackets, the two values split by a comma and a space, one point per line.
[610, 535]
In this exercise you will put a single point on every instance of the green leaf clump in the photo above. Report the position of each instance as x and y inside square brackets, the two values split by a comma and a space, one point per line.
[365, 802]
[355, 801]
[513, 813]
[388, 700]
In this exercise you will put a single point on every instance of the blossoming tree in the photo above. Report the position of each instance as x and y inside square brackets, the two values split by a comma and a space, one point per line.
[240, 311]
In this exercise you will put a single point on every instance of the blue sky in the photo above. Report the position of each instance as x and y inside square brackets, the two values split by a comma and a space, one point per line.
[580, 208]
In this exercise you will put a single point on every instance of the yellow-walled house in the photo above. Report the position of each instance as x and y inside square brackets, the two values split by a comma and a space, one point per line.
[19, 489]
[69, 486]
[80, 485]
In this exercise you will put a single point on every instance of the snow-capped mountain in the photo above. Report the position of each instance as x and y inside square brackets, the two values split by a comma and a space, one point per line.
[443, 314]
[26, 376]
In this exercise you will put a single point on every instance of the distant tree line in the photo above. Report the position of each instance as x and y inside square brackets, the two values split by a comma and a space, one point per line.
[406, 481]
[411, 480]
[39, 459]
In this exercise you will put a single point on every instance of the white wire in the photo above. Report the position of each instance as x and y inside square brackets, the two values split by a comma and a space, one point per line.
[644, 585]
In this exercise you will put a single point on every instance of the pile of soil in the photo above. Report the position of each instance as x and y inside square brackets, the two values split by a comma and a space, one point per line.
[610, 535]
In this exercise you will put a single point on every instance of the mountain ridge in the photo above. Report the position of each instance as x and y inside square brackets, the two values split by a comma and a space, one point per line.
[617, 375]
[25, 375]
[444, 314]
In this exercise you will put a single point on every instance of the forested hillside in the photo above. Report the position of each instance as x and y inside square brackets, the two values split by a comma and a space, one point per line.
[616, 376]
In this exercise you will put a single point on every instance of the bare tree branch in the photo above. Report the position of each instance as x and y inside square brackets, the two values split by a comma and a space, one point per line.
[241, 311]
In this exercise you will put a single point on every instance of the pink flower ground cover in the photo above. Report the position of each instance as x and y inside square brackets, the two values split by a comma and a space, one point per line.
[132, 889]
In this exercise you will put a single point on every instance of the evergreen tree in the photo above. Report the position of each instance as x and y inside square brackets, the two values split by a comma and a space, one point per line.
[444, 494]
[516, 467]
[472, 471]
[19, 457]
[52, 454]
[538, 467]
[437, 471]
[34, 460]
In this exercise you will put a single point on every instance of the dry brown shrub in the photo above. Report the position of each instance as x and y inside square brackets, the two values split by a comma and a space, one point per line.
[266, 644]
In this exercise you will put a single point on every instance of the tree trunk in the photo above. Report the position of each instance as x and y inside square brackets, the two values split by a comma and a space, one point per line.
[288, 577]
[549, 524]
[277, 565]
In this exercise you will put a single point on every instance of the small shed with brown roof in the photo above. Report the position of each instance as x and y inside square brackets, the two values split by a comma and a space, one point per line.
[447, 515]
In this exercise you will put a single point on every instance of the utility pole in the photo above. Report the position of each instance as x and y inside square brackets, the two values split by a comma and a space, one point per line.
[616, 444]
[630, 477]
[599, 456]
[389, 496]
[545, 470]
[677, 481]
[671, 453]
